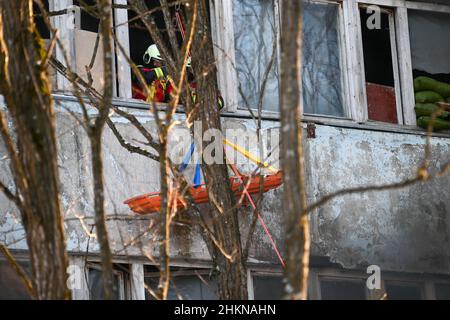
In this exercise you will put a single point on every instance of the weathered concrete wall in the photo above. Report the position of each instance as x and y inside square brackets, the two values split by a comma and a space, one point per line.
[402, 230]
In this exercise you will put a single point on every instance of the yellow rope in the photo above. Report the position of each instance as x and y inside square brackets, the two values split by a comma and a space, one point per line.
[250, 156]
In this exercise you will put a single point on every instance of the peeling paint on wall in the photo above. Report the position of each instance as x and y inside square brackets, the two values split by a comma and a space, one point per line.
[403, 230]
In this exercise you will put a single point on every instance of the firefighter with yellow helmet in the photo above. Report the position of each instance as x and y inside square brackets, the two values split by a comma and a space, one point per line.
[156, 77]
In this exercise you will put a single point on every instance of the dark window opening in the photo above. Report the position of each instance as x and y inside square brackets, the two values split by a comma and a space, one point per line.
[11, 285]
[41, 26]
[378, 67]
[140, 40]
[337, 289]
[95, 282]
[88, 20]
[403, 291]
[442, 291]
[268, 287]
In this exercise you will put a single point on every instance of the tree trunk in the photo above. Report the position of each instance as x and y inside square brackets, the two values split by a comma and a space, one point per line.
[232, 273]
[294, 197]
[25, 86]
[95, 135]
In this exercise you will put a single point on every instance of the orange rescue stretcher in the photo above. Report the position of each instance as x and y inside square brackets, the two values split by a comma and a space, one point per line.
[151, 202]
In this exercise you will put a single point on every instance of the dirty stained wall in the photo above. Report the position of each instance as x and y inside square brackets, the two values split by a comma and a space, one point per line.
[403, 230]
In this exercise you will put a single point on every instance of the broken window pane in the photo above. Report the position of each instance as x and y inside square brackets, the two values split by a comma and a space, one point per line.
[403, 291]
[442, 291]
[268, 287]
[378, 65]
[337, 289]
[322, 77]
[430, 49]
[254, 39]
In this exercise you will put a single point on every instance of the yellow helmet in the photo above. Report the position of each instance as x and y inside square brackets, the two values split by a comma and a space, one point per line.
[152, 53]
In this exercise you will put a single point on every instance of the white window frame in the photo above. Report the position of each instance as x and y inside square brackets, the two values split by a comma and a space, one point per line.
[124, 289]
[123, 37]
[403, 63]
[252, 272]
[67, 38]
[352, 58]
[344, 64]
[223, 38]
[354, 90]
[395, 61]
[221, 29]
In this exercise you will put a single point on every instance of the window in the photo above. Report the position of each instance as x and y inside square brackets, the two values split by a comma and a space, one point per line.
[88, 47]
[429, 51]
[268, 287]
[11, 286]
[140, 39]
[120, 282]
[403, 291]
[87, 21]
[321, 69]
[342, 289]
[44, 32]
[255, 41]
[379, 48]
[185, 284]
[442, 291]
[41, 26]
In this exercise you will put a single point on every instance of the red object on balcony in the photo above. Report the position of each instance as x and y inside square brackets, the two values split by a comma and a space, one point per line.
[381, 103]
[151, 202]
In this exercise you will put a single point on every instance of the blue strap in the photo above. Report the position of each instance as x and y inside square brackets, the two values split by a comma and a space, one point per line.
[187, 158]
[197, 176]
[197, 173]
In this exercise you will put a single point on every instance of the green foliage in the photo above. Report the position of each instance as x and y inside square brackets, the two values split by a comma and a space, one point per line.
[429, 84]
[428, 97]
[438, 125]
[427, 109]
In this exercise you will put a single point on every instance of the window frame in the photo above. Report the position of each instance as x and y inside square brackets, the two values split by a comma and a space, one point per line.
[404, 283]
[352, 61]
[403, 48]
[395, 61]
[430, 287]
[426, 283]
[253, 272]
[176, 271]
[343, 60]
[67, 38]
[124, 288]
[277, 21]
